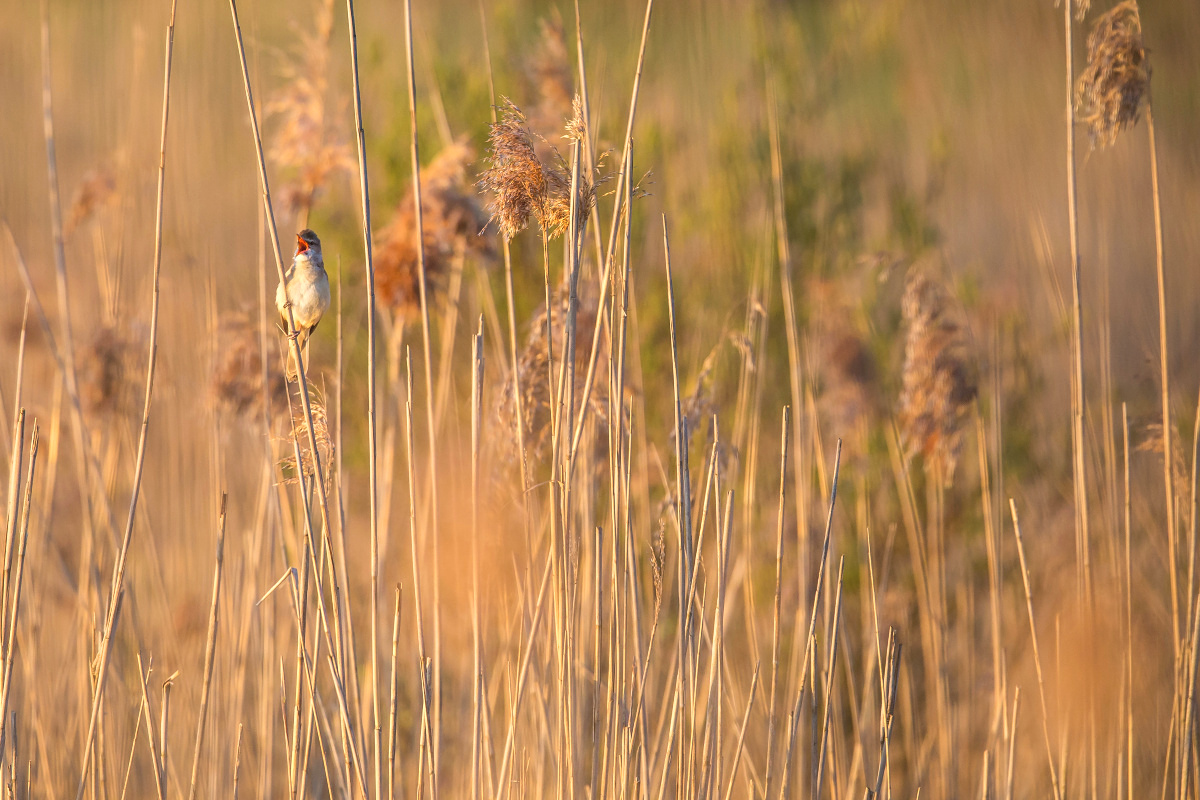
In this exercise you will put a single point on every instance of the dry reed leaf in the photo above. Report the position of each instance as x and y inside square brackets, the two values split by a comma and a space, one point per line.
[938, 380]
[452, 223]
[236, 382]
[1115, 84]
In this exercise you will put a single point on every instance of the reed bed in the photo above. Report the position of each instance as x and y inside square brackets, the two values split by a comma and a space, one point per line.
[681, 520]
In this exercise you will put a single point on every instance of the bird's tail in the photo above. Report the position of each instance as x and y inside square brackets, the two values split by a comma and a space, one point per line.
[292, 372]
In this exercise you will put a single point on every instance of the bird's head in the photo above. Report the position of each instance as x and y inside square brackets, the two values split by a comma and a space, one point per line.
[307, 242]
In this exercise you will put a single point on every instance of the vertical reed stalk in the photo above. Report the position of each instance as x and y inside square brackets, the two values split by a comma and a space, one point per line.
[1037, 658]
[210, 649]
[13, 603]
[1082, 530]
[373, 488]
[118, 581]
[476, 634]
[430, 411]
[1168, 429]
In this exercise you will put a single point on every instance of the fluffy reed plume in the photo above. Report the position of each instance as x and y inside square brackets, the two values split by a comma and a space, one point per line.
[849, 387]
[300, 431]
[533, 378]
[303, 143]
[452, 218]
[848, 398]
[938, 380]
[236, 383]
[523, 186]
[1115, 84]
[1153, 442]
[108, 368]
[550, 77]
[97, 190]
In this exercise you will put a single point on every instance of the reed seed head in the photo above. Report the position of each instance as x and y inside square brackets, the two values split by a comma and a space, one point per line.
[539, 388]
[236, 383]
[523, 186]
[938, 380]
[107, 367]
[97, 190]
[325, 448]
[514, 175]
[452, 223]
[1115, 84]
[550, 76]
[304, 142]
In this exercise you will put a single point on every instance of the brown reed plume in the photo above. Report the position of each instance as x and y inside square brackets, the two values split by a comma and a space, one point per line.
[848, 386]
[108, 370]
[1114, 87]
[453, 222]
[938, 378]
[524, 186]
[299, 434]
[236, 382]
[532, 376]
[96, 191]
[304, 143]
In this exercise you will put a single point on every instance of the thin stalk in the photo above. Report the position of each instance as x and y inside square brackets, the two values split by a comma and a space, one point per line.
[155, 754]
[776, 618]
[210, 649]
[1037, 658]
[1128, 569]
[1167, 426]
[14, 508]
[237, 761]
[369, 265]
[410, 435]
[118, 580]
[430, 411]
[737, 750]
[829, 680]
[14, 604]
[476, 635]
[392, 703]
[1082, 529]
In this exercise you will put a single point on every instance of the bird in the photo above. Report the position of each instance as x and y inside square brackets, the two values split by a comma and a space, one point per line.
[307, 285]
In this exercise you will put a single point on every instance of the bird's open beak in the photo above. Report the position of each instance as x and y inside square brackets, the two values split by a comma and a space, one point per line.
[301, 245]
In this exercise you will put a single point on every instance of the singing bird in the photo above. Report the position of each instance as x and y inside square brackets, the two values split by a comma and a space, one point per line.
[307, 286]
